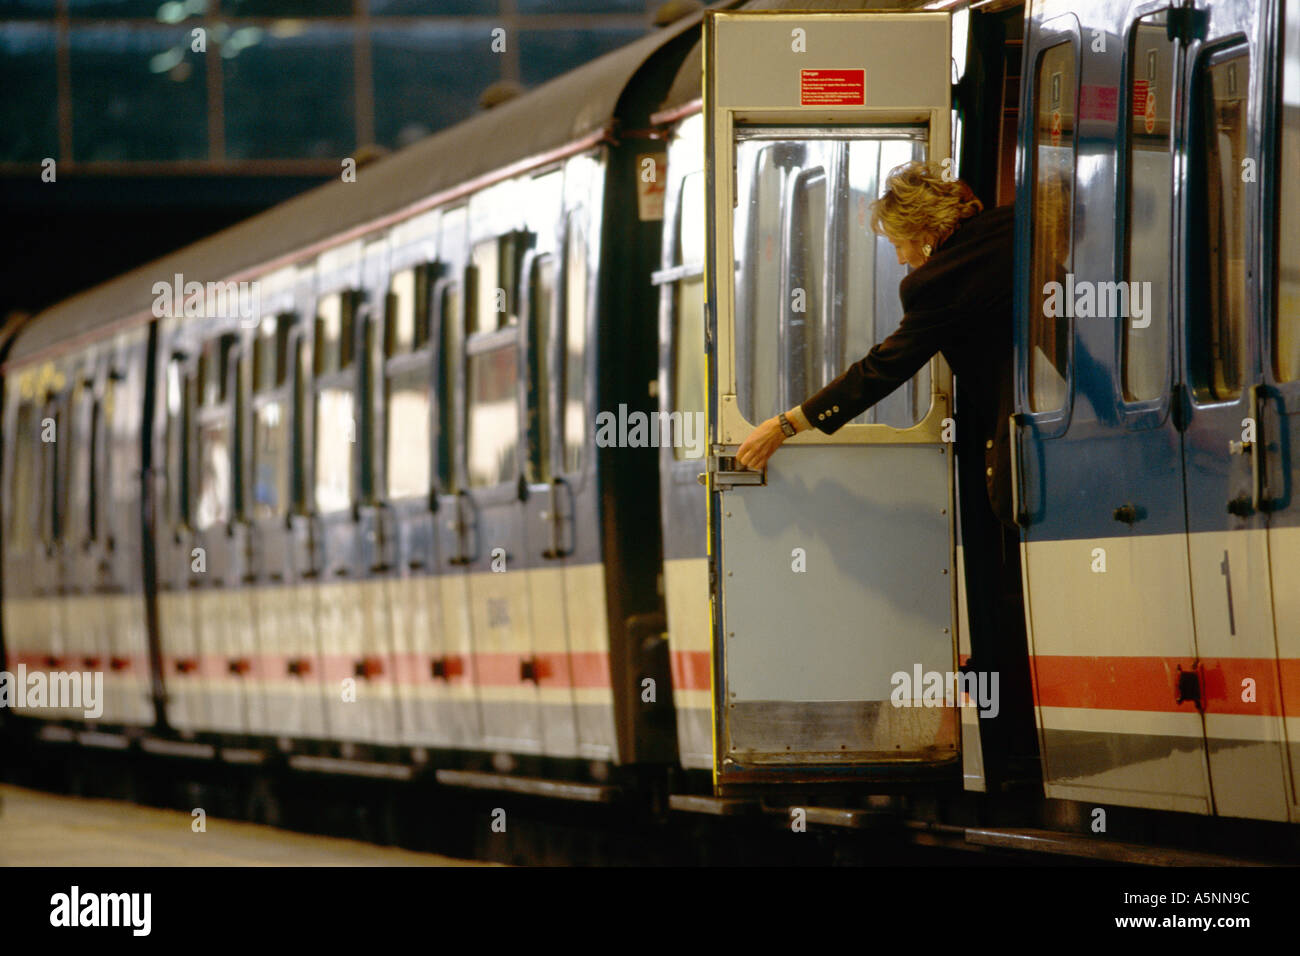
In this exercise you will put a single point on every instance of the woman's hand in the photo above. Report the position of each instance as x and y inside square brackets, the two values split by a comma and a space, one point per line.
[761, 443]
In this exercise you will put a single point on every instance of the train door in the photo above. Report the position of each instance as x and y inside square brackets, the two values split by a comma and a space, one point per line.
[683, 391]
[455, 529]
[548, 511]
[220, 611]
[833, 629]
[495, 485]
[1236, 681]
[405, 456]
[1279, 423]
[1102, 540]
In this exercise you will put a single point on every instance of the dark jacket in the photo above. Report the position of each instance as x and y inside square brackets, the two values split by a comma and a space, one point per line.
[958, 303]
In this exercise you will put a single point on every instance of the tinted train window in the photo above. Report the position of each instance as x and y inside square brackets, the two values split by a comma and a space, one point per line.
[333, 350]
[541, 297]
[408, 312]
[575, 340]
[177, 430]
[1150, 207]
[815, 288]
[271, 420]
[492, 428]
[408, 391]
[86, 472]
[212, 502]
[335, 427]
[1051, 218]
[1219, 343]
[496, 285]
[26, 443]
[1286, 321]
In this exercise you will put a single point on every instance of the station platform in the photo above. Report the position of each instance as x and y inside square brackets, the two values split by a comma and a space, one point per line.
[44, 829]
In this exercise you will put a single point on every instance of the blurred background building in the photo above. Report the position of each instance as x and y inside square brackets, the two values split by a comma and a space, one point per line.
[170, 119]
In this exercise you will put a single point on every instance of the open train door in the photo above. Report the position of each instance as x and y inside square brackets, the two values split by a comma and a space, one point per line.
[833, 573]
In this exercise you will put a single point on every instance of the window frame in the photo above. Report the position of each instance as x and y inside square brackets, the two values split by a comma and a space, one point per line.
[580, 213]
[1059, 31]
[1197, 313]
[420, 357]
[346, 375]
[1141, 414]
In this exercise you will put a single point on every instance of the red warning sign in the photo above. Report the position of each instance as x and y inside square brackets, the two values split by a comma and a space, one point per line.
[1140, 90]
[1055, 128]
[1149, 114]
[832, 87]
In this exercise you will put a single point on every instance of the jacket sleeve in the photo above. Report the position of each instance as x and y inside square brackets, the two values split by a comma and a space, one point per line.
[888, 365]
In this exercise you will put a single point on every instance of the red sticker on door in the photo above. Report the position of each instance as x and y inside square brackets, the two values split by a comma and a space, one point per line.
[832, 87]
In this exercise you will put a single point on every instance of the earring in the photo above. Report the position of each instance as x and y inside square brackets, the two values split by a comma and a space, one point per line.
[926, 250]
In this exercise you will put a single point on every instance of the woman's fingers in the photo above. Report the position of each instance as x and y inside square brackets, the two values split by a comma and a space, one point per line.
[759, 446]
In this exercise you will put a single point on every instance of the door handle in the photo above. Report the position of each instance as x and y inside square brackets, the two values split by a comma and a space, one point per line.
[726, 474]
[558, 519]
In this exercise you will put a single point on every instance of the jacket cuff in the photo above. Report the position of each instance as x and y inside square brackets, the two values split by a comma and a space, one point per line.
[823, 413]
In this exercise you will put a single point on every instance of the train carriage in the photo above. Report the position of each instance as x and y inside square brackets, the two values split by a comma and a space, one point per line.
[362, 516]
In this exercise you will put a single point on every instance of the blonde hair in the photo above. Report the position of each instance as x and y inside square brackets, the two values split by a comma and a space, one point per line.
[920, 200]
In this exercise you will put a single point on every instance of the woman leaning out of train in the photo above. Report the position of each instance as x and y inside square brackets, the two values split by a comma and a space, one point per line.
[957, 299]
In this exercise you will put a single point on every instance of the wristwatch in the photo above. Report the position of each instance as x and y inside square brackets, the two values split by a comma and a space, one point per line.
[786, 428]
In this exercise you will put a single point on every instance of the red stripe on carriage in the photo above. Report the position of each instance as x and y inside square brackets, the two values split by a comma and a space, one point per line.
[691, 670]
[1230, 685]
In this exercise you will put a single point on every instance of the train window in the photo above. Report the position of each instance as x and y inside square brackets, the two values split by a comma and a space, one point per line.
[212, 497]
[333, 349]
[271, 465]
[407, 397]
[335, 430]
[496, 265]
[270, 352]
[1051, 248]
[1286, 312]
[804, 327]
[690, 389]
[1219, 335]
[23, 490]
[450, 311]
[1149, 249]
[691, 238]
[212, 374]
[174, 402]
[492, 428]
[407, 311]
[815, 289]
[541, 298]
[575, 340]
[868, 308]
[85, 472]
